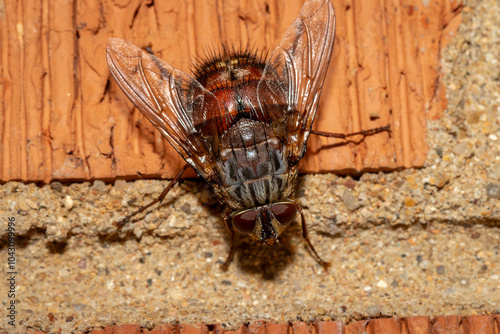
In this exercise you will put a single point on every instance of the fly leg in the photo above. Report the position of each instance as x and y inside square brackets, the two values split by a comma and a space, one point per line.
[318, 259]
[172, 183]
[363, 133]
[229, 226]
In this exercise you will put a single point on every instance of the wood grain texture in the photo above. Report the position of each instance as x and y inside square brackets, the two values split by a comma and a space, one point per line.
[63, 117]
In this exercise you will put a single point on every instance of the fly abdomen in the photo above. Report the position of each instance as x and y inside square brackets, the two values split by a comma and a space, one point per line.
[258, 192]
[252, 165]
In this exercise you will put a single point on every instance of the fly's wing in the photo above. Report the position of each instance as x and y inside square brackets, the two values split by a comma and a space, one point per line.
[168, 97]
[291, 84]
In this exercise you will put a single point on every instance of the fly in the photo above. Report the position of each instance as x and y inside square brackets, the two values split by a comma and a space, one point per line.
[242, 121]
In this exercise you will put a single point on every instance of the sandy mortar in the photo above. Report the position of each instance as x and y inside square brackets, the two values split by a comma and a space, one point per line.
[411, 242]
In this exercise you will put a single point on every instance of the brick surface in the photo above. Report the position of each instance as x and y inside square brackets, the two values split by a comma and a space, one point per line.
[481, 324]
[442, 325]
[334, 327]
[418, 325]
[63, 117]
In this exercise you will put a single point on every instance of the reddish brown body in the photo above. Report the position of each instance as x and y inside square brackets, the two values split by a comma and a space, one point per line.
[232, 77]
[252, 168]
[243, 123]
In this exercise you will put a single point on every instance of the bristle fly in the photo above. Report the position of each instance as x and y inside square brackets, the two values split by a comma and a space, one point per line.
[215, 59]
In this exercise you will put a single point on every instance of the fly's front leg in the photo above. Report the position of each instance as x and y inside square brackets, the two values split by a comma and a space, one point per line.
[172, 183]
[318, 259]
[230, 256]
[345, 136]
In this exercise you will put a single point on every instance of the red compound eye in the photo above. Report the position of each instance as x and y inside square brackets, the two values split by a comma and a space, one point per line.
[284, 212]
[244, 221]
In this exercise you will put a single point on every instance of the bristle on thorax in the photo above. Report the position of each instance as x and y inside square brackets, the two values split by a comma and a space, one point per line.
[232, 77]
[228, 67]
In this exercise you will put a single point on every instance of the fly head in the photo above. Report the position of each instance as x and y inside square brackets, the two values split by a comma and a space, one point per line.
[267, 222]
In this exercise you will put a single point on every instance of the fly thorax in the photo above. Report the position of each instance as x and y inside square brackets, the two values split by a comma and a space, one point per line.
[232, 77]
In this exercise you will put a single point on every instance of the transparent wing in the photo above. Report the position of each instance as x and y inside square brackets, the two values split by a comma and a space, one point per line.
[294, 74]
[168, 97]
